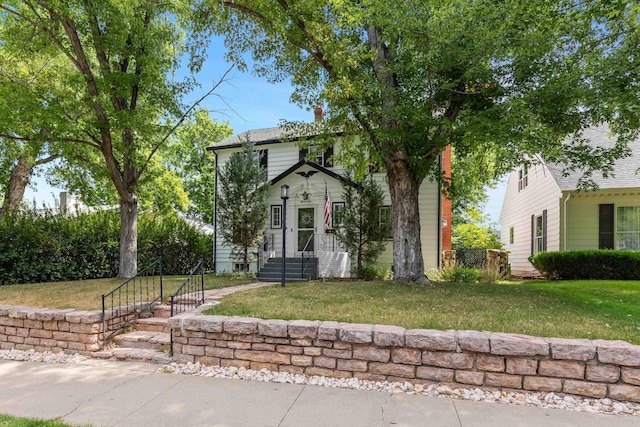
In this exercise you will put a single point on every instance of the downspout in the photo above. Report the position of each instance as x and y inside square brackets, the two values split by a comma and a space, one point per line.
[565, 221]
[215, 214]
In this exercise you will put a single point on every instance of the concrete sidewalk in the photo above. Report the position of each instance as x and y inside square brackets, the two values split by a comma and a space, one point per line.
[105, 393]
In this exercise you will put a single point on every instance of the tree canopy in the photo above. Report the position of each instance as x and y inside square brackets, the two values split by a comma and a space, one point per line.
[513, 78]
[109, 93]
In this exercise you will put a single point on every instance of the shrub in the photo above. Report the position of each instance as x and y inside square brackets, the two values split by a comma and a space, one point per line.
[45, 248]
[374, 272]
[588, 264]
[465, 275]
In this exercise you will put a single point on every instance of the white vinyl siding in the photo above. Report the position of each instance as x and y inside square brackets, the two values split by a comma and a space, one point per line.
[583, 215]
[541, 193]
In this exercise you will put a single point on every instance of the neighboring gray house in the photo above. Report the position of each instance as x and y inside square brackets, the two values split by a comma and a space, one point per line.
[308, 231]
[544, 211]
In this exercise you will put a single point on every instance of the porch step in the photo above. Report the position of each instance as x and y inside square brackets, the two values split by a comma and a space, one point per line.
[146, 340]
[127, 354]
[153, 324]
[294, 271]
[162, 310]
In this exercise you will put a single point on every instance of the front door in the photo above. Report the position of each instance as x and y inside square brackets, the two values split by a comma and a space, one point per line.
[306, 228]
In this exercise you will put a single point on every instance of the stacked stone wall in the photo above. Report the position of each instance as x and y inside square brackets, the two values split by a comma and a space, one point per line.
[588, 368]
[71, 331]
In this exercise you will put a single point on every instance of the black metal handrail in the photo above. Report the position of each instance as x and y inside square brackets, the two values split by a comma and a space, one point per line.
[304, 250]
[132, 298]
[189, 294]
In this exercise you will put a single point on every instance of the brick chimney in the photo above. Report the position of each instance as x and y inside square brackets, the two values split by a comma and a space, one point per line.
[447, 214]
[317, 112]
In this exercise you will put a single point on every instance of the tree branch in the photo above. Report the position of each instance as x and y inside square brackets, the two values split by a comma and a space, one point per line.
[46, 160]
[183, 118]
[27, 139]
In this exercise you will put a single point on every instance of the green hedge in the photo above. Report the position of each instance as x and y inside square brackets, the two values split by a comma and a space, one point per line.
[45, 248]
[588, 264]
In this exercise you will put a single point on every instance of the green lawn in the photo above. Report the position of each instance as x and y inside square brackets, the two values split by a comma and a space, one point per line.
[571, 309]
[87, 294]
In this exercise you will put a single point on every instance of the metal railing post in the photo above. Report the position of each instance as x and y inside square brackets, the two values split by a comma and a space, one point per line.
[161, 293]
[104, 323]
[202, 280]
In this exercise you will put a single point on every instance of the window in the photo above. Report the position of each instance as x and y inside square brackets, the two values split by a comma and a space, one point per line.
[239, 267]
[538, 236]
[322, 159]
[336, 207]
[539, 233]
[628, 227]
[523, 177]
[276, 216]
[384, 216]
[263, 156]
[511, 234]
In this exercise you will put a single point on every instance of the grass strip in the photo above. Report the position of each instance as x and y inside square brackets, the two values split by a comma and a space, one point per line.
[567, 309]
[87, 294]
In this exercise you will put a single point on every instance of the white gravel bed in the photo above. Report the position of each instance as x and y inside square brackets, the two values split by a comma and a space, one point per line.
[45, 357]
[542, 400]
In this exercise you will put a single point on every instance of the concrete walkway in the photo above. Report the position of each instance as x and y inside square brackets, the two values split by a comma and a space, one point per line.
[104, 393]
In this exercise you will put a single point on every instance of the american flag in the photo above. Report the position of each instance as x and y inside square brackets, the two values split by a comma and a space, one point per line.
[327, 208]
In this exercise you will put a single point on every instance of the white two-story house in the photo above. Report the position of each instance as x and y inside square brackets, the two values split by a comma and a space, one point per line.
[314, 193]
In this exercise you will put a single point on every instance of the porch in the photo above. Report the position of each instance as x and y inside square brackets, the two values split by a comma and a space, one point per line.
[310, 256]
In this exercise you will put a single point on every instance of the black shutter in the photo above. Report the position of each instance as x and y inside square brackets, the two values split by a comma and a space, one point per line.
[544, 230]
[605, 227]
[328, 162]
[303, 154]
[533, 233]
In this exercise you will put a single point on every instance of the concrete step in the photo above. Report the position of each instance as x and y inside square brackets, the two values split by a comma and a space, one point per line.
[153, 324]
[144, 340]
[125, 354]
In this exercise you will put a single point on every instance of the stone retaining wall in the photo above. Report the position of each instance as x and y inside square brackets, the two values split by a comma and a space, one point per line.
[71, 331]
[467, 358]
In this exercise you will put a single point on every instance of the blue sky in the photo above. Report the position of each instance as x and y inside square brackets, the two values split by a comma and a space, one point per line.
[245, 102]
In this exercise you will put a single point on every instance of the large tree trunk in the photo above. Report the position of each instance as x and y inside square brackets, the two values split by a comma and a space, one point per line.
[18, 182]
[408, 263]
[128, 237]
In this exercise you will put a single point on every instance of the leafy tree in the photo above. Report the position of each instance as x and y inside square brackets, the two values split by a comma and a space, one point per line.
[242, 202]
[360, 225]
[116, 62]
[410, 77]
[186, 154]
[472, 232]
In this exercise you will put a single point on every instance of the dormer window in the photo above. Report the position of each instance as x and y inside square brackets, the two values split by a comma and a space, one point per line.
[523, 177]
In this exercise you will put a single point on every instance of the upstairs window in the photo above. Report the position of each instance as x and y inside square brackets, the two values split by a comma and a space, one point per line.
[263, 157]
[523, 178]
[322, 159]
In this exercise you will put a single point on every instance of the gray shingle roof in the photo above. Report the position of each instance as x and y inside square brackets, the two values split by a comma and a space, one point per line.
[257, 136]
[624, 175]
